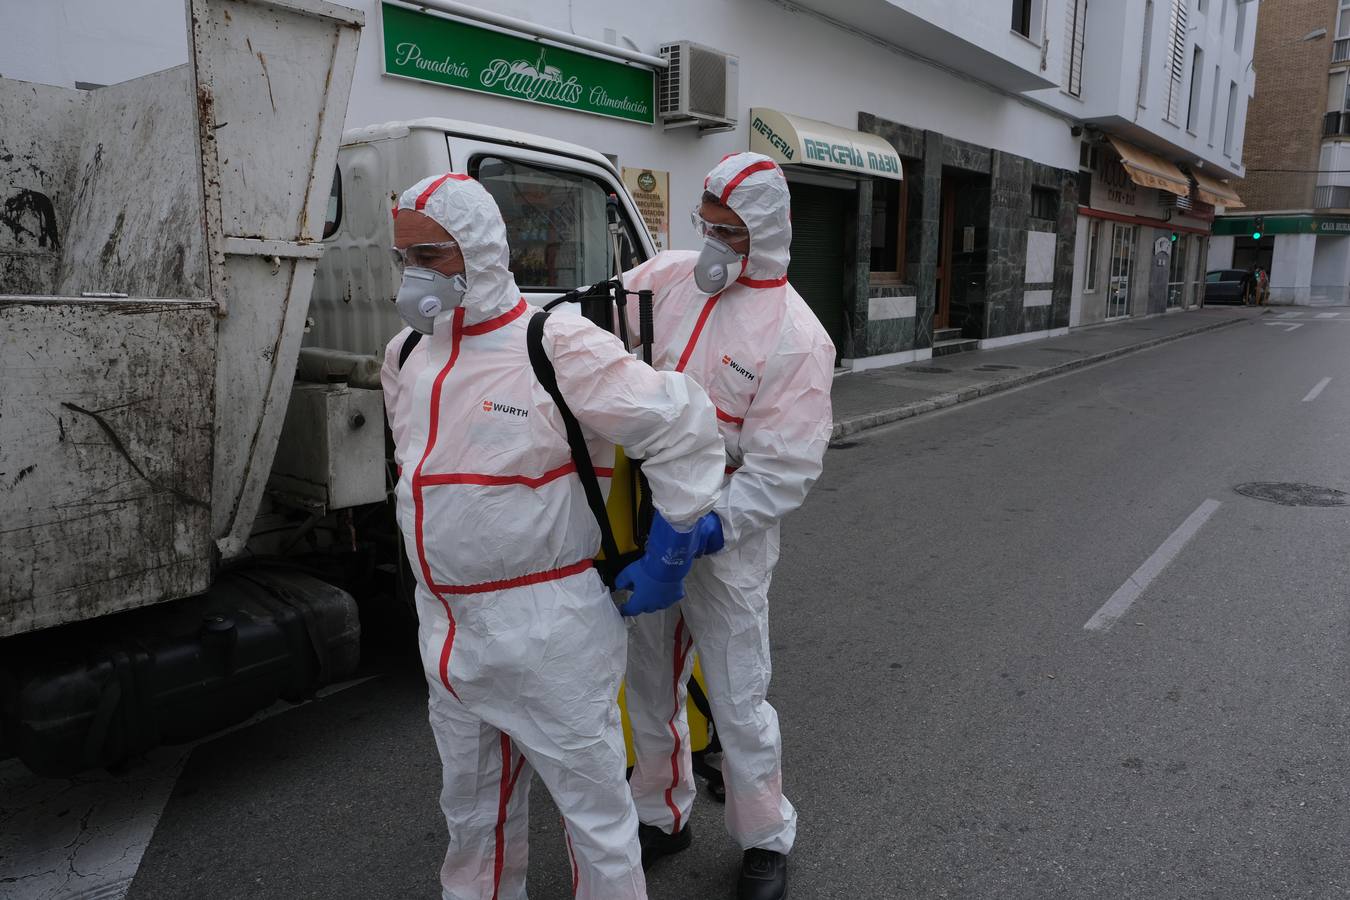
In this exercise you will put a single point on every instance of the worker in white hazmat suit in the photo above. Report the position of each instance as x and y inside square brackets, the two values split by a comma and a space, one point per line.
[521, 642]
[728, 317]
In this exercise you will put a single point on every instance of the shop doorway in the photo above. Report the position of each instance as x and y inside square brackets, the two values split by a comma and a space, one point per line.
[963, 249]
[1248, 252]
[1121, 273]
[821, 218]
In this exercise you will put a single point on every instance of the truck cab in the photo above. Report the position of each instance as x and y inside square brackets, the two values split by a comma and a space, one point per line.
[555, 198]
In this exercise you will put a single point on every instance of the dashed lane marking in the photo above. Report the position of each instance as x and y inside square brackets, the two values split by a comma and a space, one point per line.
[1134, 586]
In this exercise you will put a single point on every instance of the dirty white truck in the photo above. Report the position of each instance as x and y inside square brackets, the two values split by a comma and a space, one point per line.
[194, 490]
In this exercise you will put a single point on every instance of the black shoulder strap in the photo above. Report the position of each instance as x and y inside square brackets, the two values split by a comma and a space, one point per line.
[581, 454]
[406, 350]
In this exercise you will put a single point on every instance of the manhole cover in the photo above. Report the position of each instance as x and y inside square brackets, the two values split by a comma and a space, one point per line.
[994, 367]
[1293, 493]
[929, 370]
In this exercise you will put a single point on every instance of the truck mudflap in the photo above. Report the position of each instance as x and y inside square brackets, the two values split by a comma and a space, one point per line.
[77, 697]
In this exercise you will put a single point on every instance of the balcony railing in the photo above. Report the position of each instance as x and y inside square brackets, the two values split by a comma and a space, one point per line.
[1331, 196]
[1336, 124]
[1340, 50]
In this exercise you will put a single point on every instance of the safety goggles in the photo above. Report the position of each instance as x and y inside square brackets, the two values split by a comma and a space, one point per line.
[427, 256]
[725, 233]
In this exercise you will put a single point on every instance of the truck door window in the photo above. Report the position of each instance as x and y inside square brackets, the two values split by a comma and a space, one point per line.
[333, 218]
[555, 223]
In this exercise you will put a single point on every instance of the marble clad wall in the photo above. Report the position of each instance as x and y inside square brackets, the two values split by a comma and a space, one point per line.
[1011, 179]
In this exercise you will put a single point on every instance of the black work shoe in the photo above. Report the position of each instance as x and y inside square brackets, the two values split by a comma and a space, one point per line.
[656, 843]
[763, 875]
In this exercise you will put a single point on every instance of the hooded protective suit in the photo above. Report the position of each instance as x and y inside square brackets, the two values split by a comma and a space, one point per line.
[521, 643]
[767, 364]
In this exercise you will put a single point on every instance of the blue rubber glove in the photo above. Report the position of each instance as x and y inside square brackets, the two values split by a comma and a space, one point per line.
[709, 531]
[657, 578]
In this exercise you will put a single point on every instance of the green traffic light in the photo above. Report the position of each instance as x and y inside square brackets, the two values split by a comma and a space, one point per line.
[1256, 235]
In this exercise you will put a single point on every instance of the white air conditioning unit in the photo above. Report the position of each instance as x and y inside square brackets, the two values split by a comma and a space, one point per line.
[699, 87]
[1169, 200]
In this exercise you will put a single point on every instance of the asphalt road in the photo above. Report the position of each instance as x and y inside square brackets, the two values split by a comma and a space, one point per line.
[951, 728]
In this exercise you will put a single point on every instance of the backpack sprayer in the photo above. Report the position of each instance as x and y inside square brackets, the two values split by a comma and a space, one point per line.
[600, 301]
[625, 517]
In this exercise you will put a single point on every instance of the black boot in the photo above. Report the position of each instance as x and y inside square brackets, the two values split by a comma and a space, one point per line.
[763, 875]
[656, 843]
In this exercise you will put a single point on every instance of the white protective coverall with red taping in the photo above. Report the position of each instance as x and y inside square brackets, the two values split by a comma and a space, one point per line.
[767, 364]
[521, 642]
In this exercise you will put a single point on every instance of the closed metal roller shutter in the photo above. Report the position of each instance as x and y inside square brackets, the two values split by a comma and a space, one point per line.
[818, 265]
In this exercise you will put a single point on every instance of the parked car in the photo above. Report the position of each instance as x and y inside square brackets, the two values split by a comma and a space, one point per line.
[1224, 285]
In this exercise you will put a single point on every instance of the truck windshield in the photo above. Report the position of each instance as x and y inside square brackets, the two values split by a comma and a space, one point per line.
[555, 223]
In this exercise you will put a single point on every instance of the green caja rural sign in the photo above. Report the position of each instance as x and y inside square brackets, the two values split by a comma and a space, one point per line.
[457, 54]
[1305, 224]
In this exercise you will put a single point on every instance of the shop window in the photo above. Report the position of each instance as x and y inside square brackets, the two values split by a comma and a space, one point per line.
[1044, 204]
[555, 222]
[1122, 270]
[1176, 276]
[1094, 243]
[888, 229]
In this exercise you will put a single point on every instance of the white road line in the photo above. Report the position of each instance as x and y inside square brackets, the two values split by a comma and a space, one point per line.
[1327, 315]
[1136, 584]
[1287, 326]
[1317, 389]
[1288, 315]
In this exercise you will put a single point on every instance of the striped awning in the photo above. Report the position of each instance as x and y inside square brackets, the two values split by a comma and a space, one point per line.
[1150, 170]
[1216, 192]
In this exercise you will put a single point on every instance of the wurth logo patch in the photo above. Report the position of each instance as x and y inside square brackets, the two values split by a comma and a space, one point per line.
[491, 407]
[738, 368]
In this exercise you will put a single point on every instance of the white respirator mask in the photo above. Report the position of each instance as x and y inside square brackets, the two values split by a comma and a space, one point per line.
[425, 293]
[712, 270]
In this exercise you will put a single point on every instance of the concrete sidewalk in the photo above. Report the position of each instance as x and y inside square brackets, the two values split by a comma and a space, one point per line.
[877, 397]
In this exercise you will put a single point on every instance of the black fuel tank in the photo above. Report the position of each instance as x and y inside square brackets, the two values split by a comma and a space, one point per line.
[99, 693]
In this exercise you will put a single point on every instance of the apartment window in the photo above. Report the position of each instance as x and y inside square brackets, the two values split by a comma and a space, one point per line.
[1336, 91]
[1197, 78]
[1075, 32]
[1241, 27]
[1026, 18]
[888, 229]
[1343, 20]
[1214, 106]
[1093, 251]
[1176, 60]
[1044, 204]
[1145, 55]
[1232, 115]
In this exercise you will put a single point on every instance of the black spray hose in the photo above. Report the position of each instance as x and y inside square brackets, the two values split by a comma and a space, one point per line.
[645, 331]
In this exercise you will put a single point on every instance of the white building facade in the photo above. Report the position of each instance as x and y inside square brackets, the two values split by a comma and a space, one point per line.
[1162, 91]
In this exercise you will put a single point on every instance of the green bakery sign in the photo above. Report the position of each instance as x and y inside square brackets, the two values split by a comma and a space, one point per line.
[457, 54]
